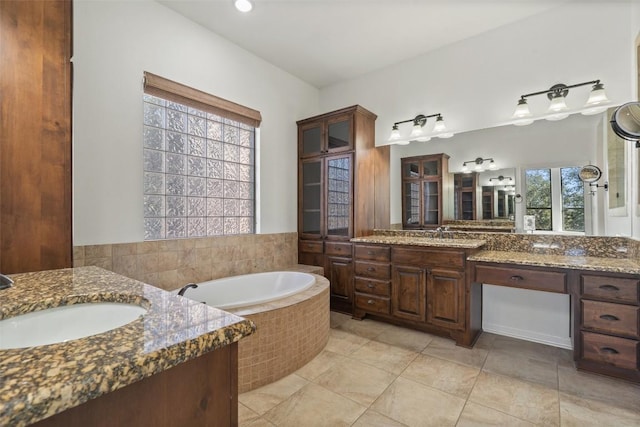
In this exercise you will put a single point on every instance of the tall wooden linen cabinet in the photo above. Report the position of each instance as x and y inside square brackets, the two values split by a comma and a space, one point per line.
[343, 192]
[35, 135]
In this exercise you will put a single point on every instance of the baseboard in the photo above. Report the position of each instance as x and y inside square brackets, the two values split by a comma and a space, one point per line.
[523, 334]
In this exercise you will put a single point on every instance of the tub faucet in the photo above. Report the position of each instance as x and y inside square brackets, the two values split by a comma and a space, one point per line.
[5, 281]
[185, 287]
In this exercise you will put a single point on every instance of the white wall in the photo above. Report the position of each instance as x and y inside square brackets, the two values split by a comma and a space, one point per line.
[114, 42]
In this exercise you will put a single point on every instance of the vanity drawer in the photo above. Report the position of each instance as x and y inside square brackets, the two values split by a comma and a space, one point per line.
[371, 286]
[310, 246]
[611, 318]
[372, 270]
[550, 281]
[339, 249]
[372, 303]
[620, 352]
[424, 258]
[610, 288]
[373, 253]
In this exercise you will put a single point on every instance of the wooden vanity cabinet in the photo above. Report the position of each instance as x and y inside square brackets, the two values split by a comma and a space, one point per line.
[608, 324]
[419, 287]
[343, 192]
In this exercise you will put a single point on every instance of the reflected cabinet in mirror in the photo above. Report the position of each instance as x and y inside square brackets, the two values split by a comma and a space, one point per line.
[426, 191]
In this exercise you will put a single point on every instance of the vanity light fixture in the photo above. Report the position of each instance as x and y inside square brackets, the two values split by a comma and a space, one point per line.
[558, 109]
[417, 130]
[243, 5]
[501, 180]
[478, 162]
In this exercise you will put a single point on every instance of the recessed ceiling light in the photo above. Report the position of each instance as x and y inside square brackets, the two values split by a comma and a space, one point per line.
[243, 5]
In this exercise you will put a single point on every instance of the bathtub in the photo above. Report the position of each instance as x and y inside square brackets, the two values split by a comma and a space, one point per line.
[291, 313]
[250, 289]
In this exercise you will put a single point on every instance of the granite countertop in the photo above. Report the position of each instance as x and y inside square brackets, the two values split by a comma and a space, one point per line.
[421, 241]
[505, 228]
[616, 265]
[38, 382]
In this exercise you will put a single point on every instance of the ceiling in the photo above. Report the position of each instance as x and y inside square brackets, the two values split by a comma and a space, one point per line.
[323, 42]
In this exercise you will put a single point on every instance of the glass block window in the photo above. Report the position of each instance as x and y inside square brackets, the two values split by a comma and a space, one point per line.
[199, 172]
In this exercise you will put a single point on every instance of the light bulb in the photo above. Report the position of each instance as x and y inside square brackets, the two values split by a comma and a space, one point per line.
[597, 102]
[395, 134]
[243, 5]
[478, 167]
[522, 110]
[416, 131]
[465, 168]
[439, 127]
[557, 108]
[492, 165]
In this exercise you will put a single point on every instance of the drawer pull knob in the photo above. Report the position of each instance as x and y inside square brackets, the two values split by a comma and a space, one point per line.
[609, 350]
[369, 252]
[370, 285]
[370, 301]
[609, 288]
[609, 317]
[516, 278]
[370, 269]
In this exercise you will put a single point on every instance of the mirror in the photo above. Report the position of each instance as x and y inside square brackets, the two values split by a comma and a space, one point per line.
[498, 193]
[625, 121]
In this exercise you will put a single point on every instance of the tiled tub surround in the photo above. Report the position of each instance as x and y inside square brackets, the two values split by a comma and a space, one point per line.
[171, 264]
[41, 381]
[290, 332]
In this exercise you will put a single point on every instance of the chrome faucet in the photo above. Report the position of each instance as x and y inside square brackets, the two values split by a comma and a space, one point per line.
[5, 281]
[185, 287]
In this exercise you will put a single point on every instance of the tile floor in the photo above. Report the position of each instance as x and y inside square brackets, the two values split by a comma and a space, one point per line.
[374, 374]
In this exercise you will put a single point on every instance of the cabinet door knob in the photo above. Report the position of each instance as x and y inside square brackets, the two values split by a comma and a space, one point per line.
[370, 285]
[609, 350]
[370, 269]
[369, 252]
[609, 317]
[609, 288]
[370, 301]
[516, 278]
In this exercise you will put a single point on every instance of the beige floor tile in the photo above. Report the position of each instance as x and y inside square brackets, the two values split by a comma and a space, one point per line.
[389, 358]
[474, 415]
[578, 412]
[415, 404]
[258, 422]
[264, 398]
[522, 367]
[521, 399]
[532, 350]
[336, 319]
[245, 414]
[357, 381]
[408, 339]
[365, 328]
[446, 376]
[373, 419]
[485, 341]
[313, 406]
[320, 364]
[447, 349]
[344, 343]
[599, 388]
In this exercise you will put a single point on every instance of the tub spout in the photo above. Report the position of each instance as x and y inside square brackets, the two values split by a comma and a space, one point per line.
[5, 281]
[184, 288]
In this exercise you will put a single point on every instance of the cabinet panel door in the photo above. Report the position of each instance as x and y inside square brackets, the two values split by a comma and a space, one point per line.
[339, 183]
[445, 298]
[340, 275]
[310, 137]
[408, 292]
[340, 134]
[311, 198]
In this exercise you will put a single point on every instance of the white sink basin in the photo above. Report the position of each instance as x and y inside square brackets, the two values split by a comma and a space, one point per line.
[65, 323]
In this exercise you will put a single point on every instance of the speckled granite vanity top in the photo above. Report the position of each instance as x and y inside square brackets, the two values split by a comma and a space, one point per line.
[38, 382]
[420, 241]
[617, 265]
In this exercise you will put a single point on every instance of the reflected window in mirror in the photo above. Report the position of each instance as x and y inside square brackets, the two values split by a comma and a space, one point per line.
[555, 196]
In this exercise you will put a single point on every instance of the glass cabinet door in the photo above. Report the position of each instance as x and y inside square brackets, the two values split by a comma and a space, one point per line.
[411, 214]
[339, 135]
[431, 202]
[431, 168]
[311, 140]
[410, 170]
[339, 183]
[311, 194]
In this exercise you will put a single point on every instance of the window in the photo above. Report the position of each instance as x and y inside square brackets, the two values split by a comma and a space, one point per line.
[199, 170]
[555, 196]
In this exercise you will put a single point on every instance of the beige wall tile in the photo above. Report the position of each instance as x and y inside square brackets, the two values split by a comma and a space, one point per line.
[97, 251]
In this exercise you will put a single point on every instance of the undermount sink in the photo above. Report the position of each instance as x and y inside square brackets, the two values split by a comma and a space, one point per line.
[66, 323]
